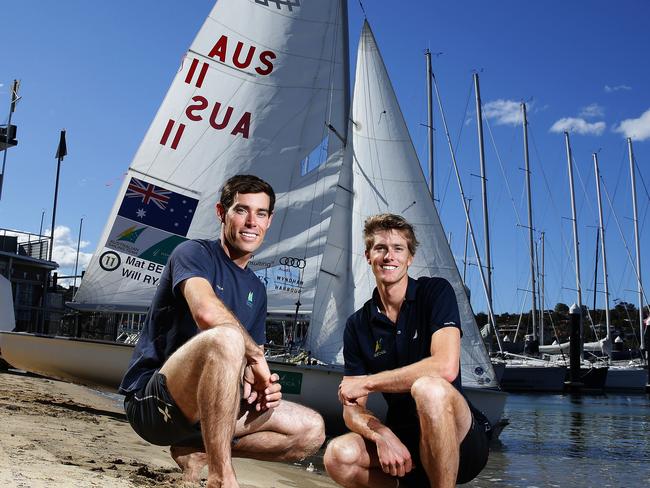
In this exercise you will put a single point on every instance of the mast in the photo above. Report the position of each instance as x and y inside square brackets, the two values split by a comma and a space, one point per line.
[541, 297]
[602, 245]
[636, 241]
[427, 54]
[575, 232]
[486, 226]
[530, 225]
[469, 202]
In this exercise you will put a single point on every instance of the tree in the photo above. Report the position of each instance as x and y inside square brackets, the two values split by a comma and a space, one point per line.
[561, 308]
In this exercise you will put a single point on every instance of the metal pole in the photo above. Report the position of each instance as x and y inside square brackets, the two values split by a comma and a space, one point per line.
[636, 240]
[40, 234]
[76, 261]
[602, 245]
[427, 54]
[469, 202]
[486, 226]
[12, 107]
[542, 302]
[576, 245]
[530, 224]
[60, 154]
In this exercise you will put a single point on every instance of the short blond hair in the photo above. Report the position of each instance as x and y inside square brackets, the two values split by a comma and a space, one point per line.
[376, 223]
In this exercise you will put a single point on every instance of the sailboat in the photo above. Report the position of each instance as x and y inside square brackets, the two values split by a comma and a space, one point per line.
[263, 89]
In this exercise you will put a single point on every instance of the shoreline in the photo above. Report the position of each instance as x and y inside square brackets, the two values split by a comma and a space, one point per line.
[57, 434]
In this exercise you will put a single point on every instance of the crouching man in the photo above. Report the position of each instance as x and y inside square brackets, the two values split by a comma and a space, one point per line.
[198, 380]
[405, 343]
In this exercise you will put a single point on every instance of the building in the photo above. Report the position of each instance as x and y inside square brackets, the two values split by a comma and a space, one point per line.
[38, 306]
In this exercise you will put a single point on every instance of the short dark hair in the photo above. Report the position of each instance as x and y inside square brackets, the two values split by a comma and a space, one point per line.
[245, 184]
[388, 221]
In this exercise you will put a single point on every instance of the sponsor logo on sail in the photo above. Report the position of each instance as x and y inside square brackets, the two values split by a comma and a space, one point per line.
[290, 4]
[293, 262]
[131, 234]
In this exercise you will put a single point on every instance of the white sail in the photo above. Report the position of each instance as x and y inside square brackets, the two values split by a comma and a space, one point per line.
[261, 90]
[387, 177]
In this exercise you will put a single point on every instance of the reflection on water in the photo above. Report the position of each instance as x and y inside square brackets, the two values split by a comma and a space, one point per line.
[572, 441]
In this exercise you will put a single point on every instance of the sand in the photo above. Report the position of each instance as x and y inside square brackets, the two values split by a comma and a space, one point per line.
[55, 434]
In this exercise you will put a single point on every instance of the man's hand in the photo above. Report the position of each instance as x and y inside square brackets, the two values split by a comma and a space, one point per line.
[394, 457]
[260, 386]
[351, 389]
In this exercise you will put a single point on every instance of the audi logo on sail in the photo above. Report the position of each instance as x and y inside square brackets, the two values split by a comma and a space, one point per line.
[293, 262]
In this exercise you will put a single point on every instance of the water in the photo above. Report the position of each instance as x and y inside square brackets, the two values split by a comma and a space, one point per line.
[565, 441]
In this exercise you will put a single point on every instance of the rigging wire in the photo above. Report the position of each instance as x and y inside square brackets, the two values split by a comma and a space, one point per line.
[460, 133]
[503, 172]
[363, 9]
[627, 248]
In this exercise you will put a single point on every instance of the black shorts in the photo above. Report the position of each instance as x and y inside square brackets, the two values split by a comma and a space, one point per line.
[156, 418]
[474, 451]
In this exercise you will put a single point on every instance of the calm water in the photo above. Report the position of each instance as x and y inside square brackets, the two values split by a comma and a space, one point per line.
[564, 441]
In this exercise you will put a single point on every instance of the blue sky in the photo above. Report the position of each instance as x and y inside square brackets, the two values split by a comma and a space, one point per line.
[100, 70]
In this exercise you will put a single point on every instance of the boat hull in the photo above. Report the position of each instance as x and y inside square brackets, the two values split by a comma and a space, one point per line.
[533, 378]
[591, 379]
[624, 378]
[102, 365]
[99, 364]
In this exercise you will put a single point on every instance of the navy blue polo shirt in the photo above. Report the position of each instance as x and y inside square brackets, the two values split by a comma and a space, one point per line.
[169, 323]
[372, 343]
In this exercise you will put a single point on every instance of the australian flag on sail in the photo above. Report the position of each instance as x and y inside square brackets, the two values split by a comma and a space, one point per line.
[158, 207]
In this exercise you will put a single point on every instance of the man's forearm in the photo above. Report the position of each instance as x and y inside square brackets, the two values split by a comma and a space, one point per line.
[220, 315]
[362, 421]
[401, 380]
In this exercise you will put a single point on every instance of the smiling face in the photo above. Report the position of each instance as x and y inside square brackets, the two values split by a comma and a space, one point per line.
[244, 225]
[389, 257]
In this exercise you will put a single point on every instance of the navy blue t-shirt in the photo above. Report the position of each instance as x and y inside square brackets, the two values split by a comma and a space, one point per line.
[372, 343]
[169, 323]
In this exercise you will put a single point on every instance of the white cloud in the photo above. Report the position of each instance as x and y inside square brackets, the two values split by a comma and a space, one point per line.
[505, 112]
[637, 129]
[591, 111]
[578, 126]
[610, 89]
[65, 249]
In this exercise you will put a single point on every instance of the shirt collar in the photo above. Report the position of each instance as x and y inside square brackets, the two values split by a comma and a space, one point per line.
[411, 290]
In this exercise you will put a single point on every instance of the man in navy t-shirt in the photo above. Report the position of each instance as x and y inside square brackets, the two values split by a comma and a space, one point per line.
[198, 380]
[405, 343]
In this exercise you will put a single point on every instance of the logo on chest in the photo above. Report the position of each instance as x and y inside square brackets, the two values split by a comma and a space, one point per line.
[379, 348]
[249, 300]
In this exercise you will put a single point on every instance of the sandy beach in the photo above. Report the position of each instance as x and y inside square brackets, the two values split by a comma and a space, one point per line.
[56, 434]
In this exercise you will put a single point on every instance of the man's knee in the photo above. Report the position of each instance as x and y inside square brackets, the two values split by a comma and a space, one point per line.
[341, 454]
[434, 395]
[224, 344]
[310, 432]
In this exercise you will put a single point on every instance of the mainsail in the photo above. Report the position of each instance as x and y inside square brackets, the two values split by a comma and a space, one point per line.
[386, 177]
[263, 89]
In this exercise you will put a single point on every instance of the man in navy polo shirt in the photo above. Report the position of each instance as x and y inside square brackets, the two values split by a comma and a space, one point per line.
[405, 343]
[198, 380]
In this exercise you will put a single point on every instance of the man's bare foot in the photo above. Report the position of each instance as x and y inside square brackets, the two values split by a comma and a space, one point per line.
[191, 461]
[229, 482]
